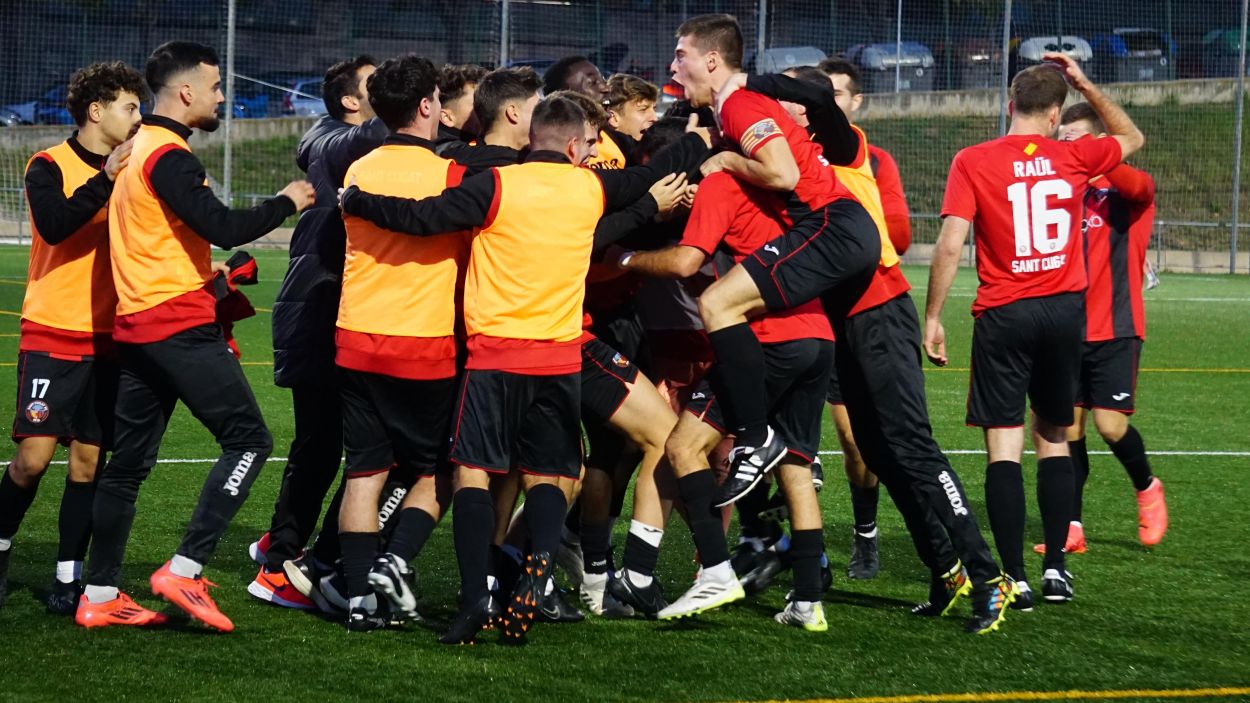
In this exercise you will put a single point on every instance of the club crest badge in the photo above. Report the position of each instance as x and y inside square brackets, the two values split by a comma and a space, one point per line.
[37, 411]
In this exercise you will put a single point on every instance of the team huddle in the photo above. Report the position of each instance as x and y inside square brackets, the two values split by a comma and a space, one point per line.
[507, 285]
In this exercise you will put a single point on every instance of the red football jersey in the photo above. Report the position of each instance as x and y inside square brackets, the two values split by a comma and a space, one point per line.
[1023, 195]
[733, 218]
[1119, 217]
[751, 120]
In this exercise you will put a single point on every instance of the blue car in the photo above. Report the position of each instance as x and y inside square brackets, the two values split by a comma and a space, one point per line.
[50, 109]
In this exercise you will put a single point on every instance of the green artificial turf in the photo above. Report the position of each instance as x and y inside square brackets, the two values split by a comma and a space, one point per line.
[1173, 617]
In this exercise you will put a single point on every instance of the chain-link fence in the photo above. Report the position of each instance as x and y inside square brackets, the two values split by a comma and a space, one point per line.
[934, 70]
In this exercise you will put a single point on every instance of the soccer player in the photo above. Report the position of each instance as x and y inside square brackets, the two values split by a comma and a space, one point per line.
[1024, 192]
[503, 103]
[67, 371]
[163, 221]
[737, 219]
[578, 74]
[518, 402]
[334, 141]
[303, 340]
[458, 123]
[630, 103]
[396, 346]
[833, 250]
[1119, 217]
[865, 561]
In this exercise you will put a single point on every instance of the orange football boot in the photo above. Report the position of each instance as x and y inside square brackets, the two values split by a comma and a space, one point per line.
[1152, 513]
[119, 611]
[191, 595]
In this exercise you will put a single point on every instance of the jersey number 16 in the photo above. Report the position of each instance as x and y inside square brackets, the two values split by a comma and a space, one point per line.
[1033, 219]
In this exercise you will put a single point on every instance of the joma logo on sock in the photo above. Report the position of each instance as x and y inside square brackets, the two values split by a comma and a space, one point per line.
[952, 493]
[235, 480]
[388, 508]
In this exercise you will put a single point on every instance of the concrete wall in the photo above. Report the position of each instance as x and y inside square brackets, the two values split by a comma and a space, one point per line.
[985, 103]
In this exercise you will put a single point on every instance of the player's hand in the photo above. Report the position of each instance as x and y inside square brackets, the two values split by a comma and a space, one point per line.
[220, 267]
[692, 125]
[301, 193]
[687, 195]
[351, 183]
[716, 163]
[1070, 69]
[735, 83]
[935, 342]
[118, 159]
[668, 192]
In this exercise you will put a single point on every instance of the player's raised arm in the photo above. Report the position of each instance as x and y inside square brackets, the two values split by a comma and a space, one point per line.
[1119, 125]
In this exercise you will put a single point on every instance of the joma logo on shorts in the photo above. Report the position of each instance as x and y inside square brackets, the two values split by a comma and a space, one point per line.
[952, 493]
[235, 480]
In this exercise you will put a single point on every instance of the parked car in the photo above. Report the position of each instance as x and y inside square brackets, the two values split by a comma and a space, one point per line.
[25, 112]
[780, 58]
[880, 64]
[1221, 52]
[50, 109]
[11, 118]
[1029, 51]
[1134, 54]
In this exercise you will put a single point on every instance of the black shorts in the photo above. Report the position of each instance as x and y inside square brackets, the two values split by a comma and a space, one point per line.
[506, 420]
[834, 395]
[605, 379]
[831, 253]
[1109, 375]
[71, 400]
[797, 376]
[1032, 348]
[395, 422]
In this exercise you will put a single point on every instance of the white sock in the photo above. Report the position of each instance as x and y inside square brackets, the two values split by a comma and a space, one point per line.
[651, 535]
[68, 571]
[184, 567]
[1076, 523]
[5, 544]
[100, 594]
[369, 603]
[867, 535]
[595, 580]
[720, 572]
[639, 580]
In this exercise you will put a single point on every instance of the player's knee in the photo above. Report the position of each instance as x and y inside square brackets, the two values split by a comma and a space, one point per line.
[1111, 426]
[29, 466]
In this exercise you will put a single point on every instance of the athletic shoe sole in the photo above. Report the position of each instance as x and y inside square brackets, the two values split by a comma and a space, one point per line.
[269, 596]
[402, 599]
[297, 578]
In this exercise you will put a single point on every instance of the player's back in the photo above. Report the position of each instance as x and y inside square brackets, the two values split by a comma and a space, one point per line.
[752, 120]
[1023, 194]
[527, 271]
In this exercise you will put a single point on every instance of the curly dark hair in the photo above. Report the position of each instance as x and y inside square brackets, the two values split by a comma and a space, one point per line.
[101, 83]
[398, 86]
